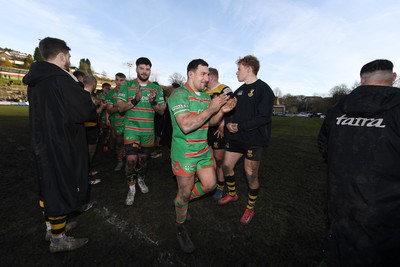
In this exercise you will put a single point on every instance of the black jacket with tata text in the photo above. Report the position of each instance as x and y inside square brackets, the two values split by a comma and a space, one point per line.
[253, 114]
[58, 106]
[360, 139]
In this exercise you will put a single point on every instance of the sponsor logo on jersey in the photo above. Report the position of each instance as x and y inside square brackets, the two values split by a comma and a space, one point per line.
[360, 122]
[180, 106]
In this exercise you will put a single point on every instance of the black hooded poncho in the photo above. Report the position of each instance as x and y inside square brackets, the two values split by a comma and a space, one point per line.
[58, 106]
[360, 139]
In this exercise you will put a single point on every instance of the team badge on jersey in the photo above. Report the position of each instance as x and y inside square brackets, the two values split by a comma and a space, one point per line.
[251, 93]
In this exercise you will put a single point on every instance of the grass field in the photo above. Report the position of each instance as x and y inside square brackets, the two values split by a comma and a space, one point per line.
[287, 230]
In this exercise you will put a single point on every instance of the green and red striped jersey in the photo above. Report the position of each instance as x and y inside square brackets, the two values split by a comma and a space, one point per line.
[140, 118]
[193, 144]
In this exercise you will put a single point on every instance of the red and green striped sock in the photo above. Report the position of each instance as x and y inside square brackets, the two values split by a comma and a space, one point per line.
[197, 191]
[120, 152]
[181, 211]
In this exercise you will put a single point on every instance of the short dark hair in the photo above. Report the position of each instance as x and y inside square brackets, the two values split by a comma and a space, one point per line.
[378, 64]
[89, 79]
[50, 47]
[105, 84]
[194, 64]
[79, 73]
[121, 75]
[250, 61]
[143, 60]
[175, 85]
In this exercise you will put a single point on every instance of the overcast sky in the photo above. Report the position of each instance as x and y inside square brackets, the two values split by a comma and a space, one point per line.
[304, 47]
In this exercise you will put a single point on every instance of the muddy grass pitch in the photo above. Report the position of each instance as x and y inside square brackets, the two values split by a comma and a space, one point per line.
[287, 230]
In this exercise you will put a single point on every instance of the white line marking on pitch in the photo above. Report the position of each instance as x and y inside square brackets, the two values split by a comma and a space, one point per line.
[126, 228]
[123, 226]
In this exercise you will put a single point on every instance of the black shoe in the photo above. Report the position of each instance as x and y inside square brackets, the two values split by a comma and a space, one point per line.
[184, 240]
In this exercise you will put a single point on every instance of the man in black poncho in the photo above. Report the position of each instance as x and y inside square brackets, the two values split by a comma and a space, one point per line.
[58, 106]
[360, 139]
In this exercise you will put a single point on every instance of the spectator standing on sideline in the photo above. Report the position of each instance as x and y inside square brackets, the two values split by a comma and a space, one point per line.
[92, 127]
[216, 134]
[58, 107]
[117, 120]
[191, 113]
[103, 119]
[360, 141]
[139, 99]
[249, 131]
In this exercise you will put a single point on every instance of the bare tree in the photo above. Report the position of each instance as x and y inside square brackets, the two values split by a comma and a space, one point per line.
[177, 78]
[338, 92]
[355, 85]
[293, 103]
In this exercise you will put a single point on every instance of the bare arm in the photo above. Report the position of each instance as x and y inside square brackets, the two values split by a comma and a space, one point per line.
[160, 108]
[102, 106]
[108, 119]
[189, 122]
[111, 109]
[231, 104]
[220, 131]
[124, 106]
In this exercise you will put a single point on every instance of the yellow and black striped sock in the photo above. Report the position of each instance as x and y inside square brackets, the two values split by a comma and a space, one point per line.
[181, 211]
[230, 183]
[220, 185]
[58, 225]
[252, 197]
[46, 219]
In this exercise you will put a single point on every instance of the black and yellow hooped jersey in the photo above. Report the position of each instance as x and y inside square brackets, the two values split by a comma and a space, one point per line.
[221, 88]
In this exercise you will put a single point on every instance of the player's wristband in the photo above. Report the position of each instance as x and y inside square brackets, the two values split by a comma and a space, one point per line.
[134, 102]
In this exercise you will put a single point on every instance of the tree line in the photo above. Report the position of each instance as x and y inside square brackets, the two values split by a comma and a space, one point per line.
[301, 103]
[293, 103]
